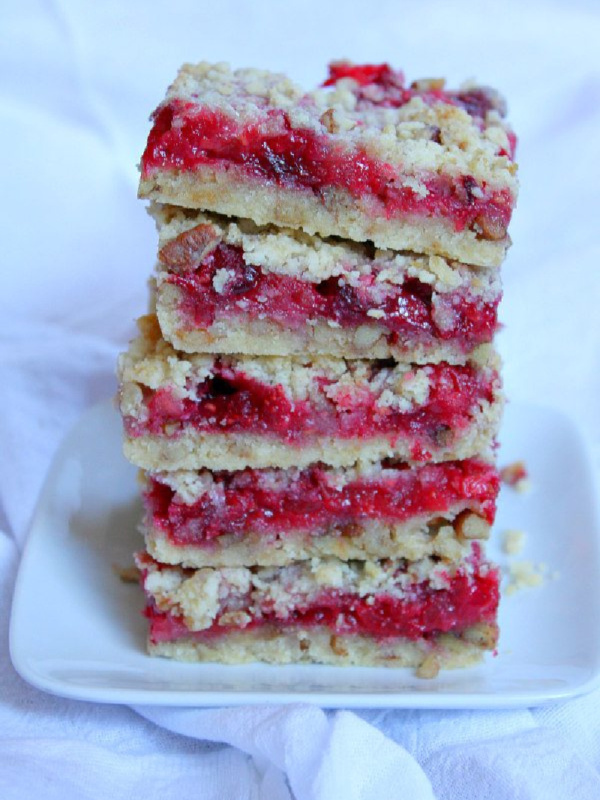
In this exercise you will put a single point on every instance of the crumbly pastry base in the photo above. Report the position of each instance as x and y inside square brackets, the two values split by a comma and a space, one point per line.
[320, 646]
[194, 449]
[370, 540]
[333, 213]
[243, 335]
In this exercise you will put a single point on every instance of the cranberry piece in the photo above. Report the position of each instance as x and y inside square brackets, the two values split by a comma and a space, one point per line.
[345, 305]
[220, 387]
[245, 280]
[467, 185]
[328, 288]
[478, 102]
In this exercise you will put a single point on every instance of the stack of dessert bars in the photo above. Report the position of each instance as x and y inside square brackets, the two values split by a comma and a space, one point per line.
[314, 399]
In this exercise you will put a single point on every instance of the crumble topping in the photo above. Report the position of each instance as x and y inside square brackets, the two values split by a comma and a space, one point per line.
[435, 137]
[221, 279]
[189, 486]
[513, 542]
[525, 575]
[201, 595]
[410, 390]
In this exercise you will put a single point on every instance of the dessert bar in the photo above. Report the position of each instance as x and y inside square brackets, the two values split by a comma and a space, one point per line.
[230, 412]
[314, 398]
[365, 157]
[229, 286]
[387, 613]
[272, 516]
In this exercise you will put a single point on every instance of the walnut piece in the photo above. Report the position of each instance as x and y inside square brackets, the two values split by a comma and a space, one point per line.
[337, 646]
[490, 227]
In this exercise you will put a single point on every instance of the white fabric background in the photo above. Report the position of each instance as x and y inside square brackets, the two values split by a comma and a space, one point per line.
[77, 83]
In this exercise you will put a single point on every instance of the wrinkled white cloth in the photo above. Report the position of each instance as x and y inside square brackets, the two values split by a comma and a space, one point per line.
[77, 82]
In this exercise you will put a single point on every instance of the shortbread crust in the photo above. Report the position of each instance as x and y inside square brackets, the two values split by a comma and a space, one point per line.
[445, 651]
[370, 540]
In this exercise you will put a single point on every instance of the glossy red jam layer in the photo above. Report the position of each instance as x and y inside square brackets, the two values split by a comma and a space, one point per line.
[186, 136]
[290, 302]
[425, 612]
[245, 501]
[232, 402]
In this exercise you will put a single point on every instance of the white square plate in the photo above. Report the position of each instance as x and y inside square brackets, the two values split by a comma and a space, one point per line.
[77, 630]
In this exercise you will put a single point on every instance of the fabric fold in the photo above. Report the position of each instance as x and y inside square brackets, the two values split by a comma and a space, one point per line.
[321, 755]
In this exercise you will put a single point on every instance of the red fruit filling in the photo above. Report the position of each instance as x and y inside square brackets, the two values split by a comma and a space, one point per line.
[408, 309]
[231, 401]
[185, 136]
[424, 613]
[245, 501]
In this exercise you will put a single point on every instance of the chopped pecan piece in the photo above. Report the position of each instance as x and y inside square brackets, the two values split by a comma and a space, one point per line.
[485, 635]
[490, 227]
[190, 248]
[350, 529]
[435, 134]
[329, 121]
